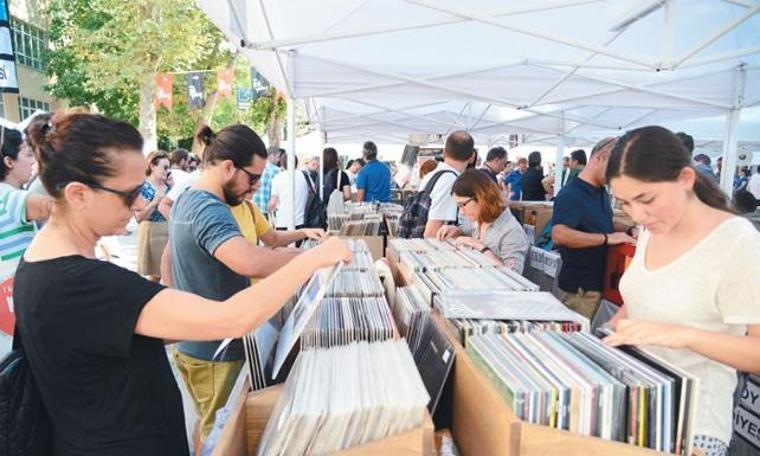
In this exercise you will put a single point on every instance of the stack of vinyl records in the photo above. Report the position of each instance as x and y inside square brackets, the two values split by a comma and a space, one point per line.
[340, 321]
[361, 261]
[573, 381]
[478, 279]
[357, 284]
[467, 327]
[370, 226]
[411, 313]
[259, 348]
[346, 396]
[498, 312]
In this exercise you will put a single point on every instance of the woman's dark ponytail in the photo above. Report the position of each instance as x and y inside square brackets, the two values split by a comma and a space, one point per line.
[709, 193]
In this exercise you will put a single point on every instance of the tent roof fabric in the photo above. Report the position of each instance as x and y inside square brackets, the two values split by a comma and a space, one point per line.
[387, 68]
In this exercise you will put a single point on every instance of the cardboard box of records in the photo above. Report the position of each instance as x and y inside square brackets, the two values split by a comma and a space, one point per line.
[482, 422]
[247, 421]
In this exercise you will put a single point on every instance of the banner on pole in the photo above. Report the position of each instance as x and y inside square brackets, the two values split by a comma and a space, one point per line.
[224, 82]
[259, 84]
[164, 82]
[195, 91]
[8, 77]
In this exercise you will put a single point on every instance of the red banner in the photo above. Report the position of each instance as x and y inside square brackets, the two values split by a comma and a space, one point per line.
[163, 90]
[224, 82]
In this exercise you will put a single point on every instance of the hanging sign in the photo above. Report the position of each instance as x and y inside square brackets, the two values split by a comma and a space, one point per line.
[224, 82]
[163, 96]
[195, 91]
[8, 78]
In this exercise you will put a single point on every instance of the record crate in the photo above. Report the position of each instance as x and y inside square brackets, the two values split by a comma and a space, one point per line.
[482, 423]
[248, 419]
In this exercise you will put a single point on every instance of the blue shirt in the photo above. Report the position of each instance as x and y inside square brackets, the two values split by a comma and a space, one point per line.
[513, 180]
[375, 179]
[264, 193]
[200, 222]
[583, 207]
[149, 192]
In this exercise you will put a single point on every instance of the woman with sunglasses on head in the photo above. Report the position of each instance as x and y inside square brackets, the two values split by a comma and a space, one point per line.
[93, 332]
[691, 290]
[153, 227]
[494, 230]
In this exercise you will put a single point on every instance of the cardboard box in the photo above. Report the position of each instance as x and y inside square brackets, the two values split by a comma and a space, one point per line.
[247, 421]
[483, 423]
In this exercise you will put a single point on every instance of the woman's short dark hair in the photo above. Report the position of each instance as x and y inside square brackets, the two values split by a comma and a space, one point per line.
[12, 140]
[655, 154]
[329, 159]
[80, 147]
[153, 158]
[237, 143]
[475, 184]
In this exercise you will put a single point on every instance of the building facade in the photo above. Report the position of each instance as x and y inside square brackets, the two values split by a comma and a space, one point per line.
[28, 30]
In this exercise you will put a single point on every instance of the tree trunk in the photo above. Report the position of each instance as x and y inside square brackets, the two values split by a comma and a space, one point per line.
[148, 116]
[274, 130]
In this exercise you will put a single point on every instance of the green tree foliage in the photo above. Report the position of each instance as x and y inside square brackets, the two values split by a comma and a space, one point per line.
[106, 53]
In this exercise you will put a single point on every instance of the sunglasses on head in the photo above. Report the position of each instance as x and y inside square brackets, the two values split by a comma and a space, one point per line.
[253, 178]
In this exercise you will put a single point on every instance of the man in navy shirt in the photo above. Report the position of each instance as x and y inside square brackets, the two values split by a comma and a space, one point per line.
[374, 180]
[512, 180]
[583, 229]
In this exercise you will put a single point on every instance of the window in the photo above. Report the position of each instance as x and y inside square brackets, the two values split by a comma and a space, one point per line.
[27, 106]
[30, 44]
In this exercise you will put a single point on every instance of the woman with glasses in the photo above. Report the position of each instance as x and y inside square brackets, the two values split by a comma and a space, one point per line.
[153, 228]
[494, 230]
[93, 332]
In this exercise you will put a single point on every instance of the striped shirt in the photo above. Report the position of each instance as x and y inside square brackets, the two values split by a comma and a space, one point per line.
[264, 193]
[16, 233]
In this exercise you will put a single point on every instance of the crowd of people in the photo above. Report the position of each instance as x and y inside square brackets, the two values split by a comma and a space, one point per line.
[214, 260]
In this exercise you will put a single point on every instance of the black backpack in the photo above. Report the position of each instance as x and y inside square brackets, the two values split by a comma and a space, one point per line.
[412, 222]
[315, 215]
[25, 428]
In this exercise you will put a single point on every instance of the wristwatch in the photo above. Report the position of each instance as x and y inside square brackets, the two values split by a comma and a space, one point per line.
[606, 238]
[484, 249]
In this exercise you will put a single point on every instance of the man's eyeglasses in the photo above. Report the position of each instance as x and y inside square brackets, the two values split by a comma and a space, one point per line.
[253, 178]
[464, 203]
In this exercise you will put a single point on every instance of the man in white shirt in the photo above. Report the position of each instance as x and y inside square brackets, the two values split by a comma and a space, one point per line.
[754, 184]
[458, 150]
[281, 200]
[180, 163]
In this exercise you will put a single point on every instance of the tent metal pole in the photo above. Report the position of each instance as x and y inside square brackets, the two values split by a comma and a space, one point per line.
[530, 7]
[717, 35]
[560, 155]
[543, 34]
[292, 160]
[728, 169]
[723, 56]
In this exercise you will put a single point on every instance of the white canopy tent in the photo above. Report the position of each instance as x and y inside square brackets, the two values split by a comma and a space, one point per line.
[561, 71]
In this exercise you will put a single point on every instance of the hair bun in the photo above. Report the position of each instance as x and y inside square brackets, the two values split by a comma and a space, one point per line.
[205, 135]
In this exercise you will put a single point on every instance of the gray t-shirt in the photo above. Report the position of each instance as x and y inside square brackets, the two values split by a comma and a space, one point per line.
[199, 223]
[506, 239]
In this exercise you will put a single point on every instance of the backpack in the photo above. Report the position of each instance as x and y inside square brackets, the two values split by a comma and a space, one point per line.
[412, 222]
[315, 215]
[25, 427]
